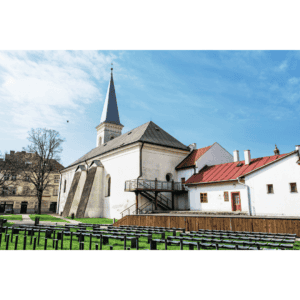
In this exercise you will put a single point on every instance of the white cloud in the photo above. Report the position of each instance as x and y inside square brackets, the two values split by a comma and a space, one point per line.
[283, 66]
[43, 88]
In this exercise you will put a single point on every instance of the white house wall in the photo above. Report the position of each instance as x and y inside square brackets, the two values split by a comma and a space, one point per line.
[215, 197]
[282, 201]
[157, 163]
[121, 166]
[214, 156]
[68, 176]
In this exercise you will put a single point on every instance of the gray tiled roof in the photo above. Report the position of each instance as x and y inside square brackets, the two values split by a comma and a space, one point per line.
[148, 133]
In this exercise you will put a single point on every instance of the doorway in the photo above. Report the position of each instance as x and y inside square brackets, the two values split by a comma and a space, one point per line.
[53, 207]
[24, 207]
[236, 201]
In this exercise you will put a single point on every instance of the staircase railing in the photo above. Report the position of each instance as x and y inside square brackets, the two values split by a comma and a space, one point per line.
[131, 185]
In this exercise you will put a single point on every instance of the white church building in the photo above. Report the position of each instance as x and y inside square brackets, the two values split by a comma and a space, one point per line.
[147, 169]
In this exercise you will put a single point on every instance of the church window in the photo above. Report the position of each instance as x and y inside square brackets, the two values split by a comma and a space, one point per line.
[108, 185]
[100, 141]
[169, 177]
[65, 185]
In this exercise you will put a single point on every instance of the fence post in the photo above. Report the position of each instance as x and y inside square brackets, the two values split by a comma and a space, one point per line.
[16, 242]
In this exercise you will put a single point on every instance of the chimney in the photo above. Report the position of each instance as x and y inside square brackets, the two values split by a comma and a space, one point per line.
[196, 170]
[192, 147]
[236, 156]
[298, 149]
[247, 157]
[276, 151]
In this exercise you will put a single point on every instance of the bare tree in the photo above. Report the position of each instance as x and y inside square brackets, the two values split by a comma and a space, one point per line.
[41, 159]
[9, 171]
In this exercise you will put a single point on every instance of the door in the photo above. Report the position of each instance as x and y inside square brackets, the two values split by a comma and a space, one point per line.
[52, 207]
[24, 207]
[236, 201]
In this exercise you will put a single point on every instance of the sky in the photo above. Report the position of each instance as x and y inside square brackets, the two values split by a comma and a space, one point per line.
[240, 99]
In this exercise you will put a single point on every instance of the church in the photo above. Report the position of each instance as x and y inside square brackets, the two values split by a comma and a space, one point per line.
[148, 170]
[139, 171]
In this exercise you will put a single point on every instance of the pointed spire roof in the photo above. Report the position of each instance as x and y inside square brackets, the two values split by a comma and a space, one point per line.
[110, 113]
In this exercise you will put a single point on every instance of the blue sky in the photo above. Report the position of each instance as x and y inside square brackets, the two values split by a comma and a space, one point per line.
[240, 99]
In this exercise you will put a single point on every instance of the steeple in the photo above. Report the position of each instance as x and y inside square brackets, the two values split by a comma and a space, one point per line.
[110, 125]
[110, 113]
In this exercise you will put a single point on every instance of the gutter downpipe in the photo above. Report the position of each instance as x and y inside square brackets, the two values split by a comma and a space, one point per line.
[58, 200]
[249, 197]
[141, 168]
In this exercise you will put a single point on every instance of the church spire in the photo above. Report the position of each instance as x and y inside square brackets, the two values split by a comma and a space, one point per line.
[110, 113]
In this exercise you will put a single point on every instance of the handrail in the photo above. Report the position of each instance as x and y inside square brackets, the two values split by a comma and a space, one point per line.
[166, 199]
[154, 185]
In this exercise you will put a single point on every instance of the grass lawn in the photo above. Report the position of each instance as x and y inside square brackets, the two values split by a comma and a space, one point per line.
[93, 220]
[47, 218]
[11, 217]
[117, 244]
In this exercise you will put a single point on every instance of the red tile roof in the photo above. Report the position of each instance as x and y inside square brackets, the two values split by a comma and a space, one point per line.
[231, 171]
[190, 160]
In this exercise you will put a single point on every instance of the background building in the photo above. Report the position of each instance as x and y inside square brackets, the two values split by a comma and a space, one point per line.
[18, 195]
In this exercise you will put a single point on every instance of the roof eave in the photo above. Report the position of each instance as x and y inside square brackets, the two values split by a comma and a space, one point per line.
[278, 159]
[201, 183]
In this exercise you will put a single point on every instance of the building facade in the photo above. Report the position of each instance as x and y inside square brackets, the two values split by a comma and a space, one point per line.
[19, 194]
[265, 186]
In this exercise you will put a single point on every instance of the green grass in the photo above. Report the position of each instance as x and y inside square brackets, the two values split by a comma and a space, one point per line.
[47, 218]
[93, 220]
[117, 244]
[11, 217]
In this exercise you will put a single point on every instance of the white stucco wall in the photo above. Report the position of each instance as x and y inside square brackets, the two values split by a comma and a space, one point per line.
[215, 197]
[121, 165]
[214, 156]
[282, 201]
[157, 163]
[68, 176]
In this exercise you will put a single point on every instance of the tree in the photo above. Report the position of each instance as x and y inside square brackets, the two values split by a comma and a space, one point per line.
[9, 171]
[44, 149]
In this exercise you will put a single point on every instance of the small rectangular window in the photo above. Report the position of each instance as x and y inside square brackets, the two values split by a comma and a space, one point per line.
[203, 197]
[293, 186]
[56, 179]
[270, 189]
[55, 192]
[226, 197]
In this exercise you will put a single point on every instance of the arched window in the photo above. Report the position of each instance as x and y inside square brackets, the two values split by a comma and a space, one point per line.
[65, 185]
[108, 185]
[100, 141]
[169, 177]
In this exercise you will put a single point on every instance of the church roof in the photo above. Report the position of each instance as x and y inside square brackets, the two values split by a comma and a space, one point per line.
[110, 113]
[190, 160]
[148, 133]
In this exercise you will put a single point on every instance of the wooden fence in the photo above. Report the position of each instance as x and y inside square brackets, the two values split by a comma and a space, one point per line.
[233, 223]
